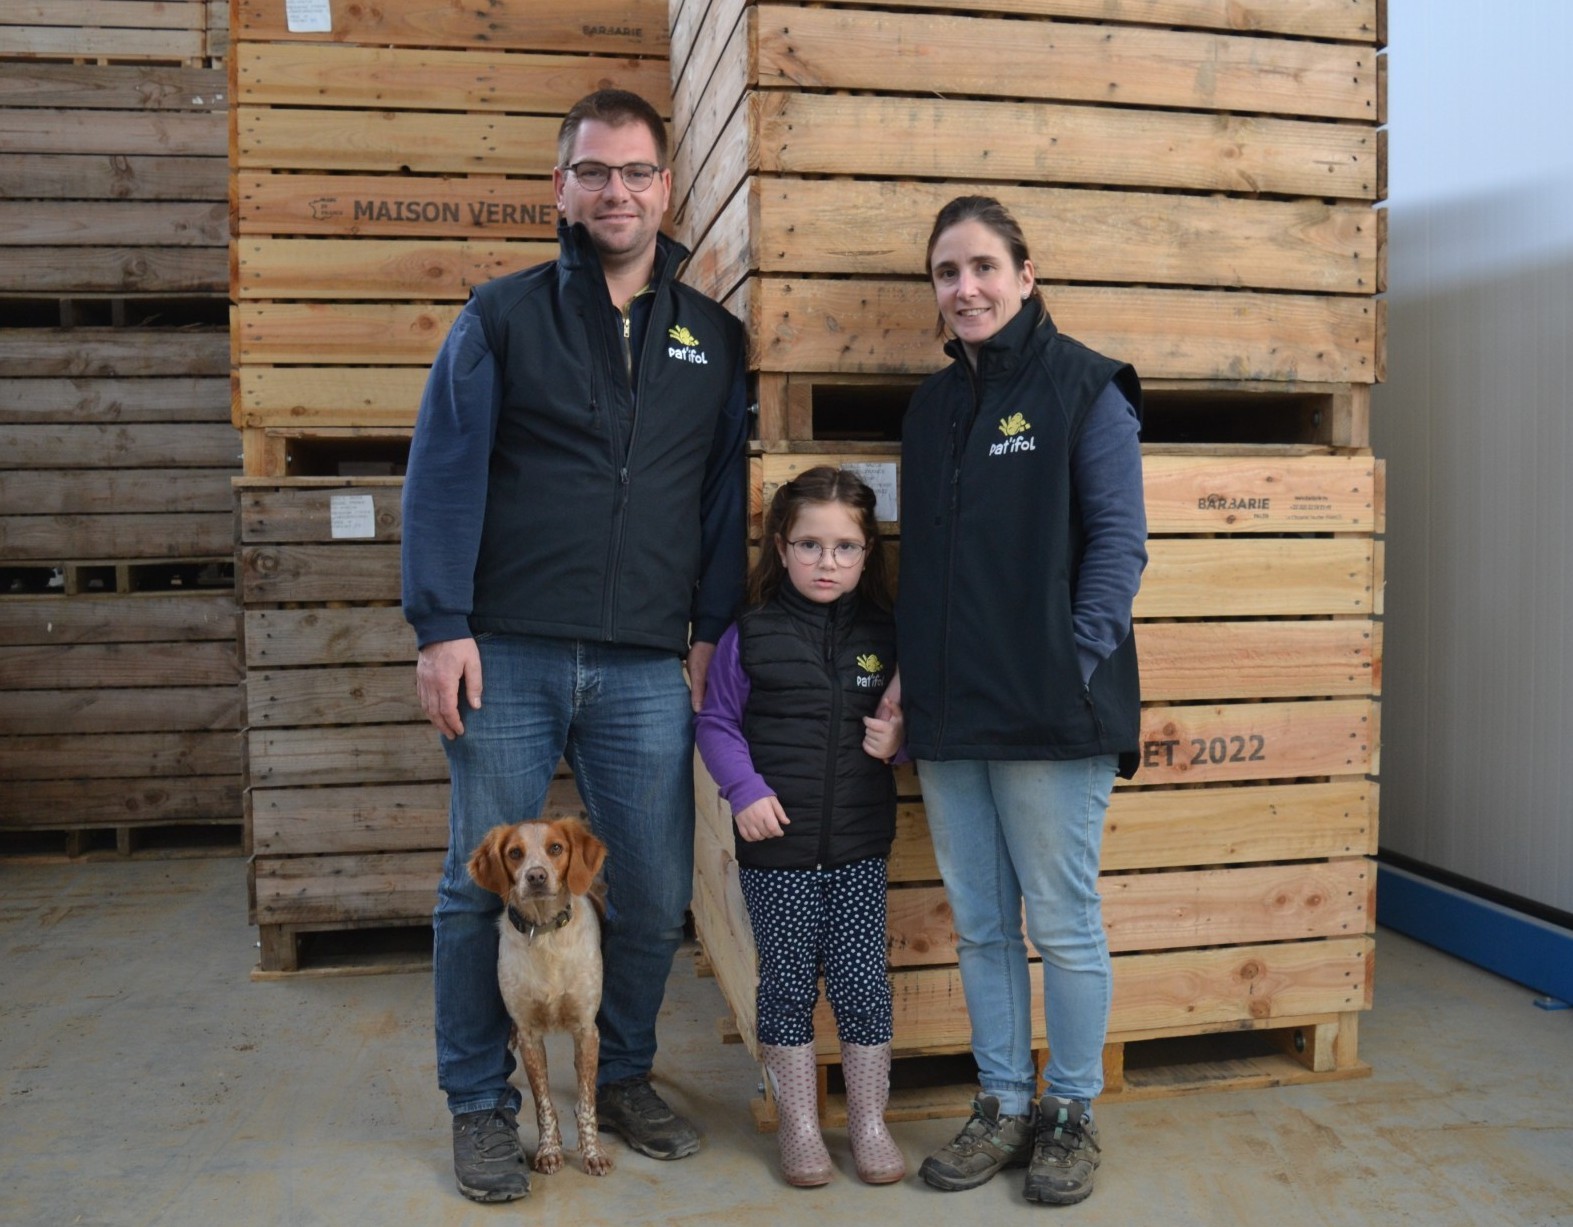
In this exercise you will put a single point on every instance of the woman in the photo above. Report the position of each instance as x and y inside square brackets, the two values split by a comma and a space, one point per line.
[1023, 543]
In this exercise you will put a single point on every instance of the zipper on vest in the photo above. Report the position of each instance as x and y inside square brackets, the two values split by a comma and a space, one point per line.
[624, 474]
[832, 742]
[957, 446]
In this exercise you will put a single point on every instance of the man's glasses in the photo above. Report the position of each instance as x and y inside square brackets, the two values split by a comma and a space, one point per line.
[593, 176]
[808, 551]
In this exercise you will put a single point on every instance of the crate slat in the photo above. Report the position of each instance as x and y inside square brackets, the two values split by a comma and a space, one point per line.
[807, 48]
[429, 79]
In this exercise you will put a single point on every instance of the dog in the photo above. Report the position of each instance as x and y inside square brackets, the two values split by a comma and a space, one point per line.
[549, 962]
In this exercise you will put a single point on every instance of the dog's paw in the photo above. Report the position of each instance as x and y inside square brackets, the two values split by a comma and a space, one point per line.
[548, 1159]
[597, 1162]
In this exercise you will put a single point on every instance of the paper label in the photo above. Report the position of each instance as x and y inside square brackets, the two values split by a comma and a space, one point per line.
[352, 515]
[308, 16]
[881, 478]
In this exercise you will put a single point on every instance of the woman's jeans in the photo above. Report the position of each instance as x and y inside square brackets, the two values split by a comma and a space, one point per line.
[621, 716]
[1012, 832]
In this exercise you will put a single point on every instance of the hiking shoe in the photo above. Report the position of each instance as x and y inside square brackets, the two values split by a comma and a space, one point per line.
[632, 1110]
[1065, 1153]
[986, 1144]
[488, 1158]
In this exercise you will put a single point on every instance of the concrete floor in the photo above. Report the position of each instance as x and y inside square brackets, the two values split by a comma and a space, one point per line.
[148, 1080]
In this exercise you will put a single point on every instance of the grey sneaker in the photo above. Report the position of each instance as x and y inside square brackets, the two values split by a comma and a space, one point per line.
[987, 1143]
[632, 1110]
[1065, 1153]
[488, 1158]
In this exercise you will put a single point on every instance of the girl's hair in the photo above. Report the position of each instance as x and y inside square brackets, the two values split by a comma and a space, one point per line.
[822, 484]
[996, 217]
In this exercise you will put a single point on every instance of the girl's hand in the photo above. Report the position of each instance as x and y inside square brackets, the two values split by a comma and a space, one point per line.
[762, 820]
[885, 731]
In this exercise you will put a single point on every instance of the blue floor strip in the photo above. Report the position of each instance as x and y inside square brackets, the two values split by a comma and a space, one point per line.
[1521, 948]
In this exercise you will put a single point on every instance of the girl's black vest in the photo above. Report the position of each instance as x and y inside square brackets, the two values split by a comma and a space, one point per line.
[815, 670]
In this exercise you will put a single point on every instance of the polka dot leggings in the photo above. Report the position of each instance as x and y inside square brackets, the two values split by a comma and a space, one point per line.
[808, 920]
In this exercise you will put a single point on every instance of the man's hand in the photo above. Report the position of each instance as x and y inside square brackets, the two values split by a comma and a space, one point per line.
[762, 820]
[699, 656]
[439, 671]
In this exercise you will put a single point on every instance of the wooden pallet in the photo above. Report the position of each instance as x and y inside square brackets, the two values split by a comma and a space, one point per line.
[381, 172]
[1201, 193]
[1317, 1049]
[137, 841]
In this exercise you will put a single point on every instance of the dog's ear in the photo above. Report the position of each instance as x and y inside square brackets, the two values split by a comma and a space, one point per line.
[588, 855]
[489, 865]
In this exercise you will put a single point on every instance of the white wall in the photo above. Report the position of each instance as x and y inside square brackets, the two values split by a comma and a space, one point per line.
[1476, 424]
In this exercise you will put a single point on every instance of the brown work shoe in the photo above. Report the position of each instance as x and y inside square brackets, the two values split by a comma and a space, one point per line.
[987, 1144]
[1065, 1153]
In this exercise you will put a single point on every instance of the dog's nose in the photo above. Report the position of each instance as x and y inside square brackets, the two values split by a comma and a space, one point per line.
[535, 878]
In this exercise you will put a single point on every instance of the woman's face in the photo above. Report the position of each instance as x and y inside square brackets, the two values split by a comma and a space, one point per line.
[978, 289]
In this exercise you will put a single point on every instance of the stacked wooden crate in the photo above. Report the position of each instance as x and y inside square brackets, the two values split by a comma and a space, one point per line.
[383, 167]
[1199, 182]
[116, 451]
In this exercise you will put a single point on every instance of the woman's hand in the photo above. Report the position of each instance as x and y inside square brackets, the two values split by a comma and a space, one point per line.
[762, 820]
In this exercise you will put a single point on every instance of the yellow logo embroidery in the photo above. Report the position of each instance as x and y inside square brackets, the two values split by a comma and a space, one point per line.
[1014, 425]
[870, 663]
[683, 337]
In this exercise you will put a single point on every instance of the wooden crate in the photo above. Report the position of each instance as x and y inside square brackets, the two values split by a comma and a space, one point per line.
[115, 459]
[114, 183]
[382, 170]
[108, 31]
[119, 723]
[346, 783]
[1198, 179]
[1237, 884]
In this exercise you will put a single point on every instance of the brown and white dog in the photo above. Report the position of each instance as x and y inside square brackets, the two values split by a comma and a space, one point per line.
[549, 962]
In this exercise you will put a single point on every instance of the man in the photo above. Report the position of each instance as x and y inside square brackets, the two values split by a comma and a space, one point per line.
[573, 515]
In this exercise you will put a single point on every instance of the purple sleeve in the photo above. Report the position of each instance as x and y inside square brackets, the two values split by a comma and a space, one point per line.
[1107, 467]
[718, 729]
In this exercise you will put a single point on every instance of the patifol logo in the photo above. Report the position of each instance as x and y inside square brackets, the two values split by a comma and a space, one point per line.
[1016, 439]
[687, 347]
[873, 671]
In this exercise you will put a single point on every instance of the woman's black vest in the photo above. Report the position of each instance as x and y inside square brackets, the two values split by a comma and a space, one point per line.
[815, 670]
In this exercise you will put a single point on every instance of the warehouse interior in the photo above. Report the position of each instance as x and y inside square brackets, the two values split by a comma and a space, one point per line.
[182, 1041]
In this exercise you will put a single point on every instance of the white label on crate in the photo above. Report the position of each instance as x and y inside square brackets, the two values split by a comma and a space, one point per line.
[308, 16]
[881, 478]
[353, 515]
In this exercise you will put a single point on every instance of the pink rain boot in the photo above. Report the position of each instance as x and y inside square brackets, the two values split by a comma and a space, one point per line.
[867, 1072]
[804, 1160]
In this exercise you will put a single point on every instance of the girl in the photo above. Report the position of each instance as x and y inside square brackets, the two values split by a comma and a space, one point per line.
[797, 733]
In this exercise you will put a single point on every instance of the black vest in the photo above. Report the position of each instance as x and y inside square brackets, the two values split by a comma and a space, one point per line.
[814, 671]
[991, 541]
[593, 532]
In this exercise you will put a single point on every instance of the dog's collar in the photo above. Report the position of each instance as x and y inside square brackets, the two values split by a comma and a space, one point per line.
[517, 920]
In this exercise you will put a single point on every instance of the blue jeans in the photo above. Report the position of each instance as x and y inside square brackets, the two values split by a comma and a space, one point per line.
[1008, 833]
[621, 717]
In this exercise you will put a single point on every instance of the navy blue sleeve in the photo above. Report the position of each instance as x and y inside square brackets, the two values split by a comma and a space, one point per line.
[1106, 465]
[445, 484]
[723, 526]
